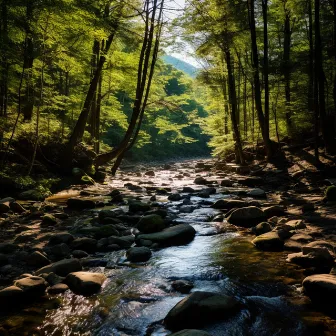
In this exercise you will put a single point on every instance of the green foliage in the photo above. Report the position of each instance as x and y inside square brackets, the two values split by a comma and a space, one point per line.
[330, 193]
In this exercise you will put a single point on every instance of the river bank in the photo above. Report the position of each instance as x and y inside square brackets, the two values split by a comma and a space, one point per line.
[97, 224]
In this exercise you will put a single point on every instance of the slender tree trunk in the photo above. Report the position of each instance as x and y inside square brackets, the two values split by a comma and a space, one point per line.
[233, 103]
[4, 59]
[28, 104]
[257, 89]
[328, 136]
[266, 67]
[287, 70]
[145, 75]
[78, 131]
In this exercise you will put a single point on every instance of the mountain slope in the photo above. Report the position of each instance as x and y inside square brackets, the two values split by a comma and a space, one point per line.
[181, 65]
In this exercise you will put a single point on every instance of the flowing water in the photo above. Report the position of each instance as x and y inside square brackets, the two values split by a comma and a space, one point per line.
[136, 298]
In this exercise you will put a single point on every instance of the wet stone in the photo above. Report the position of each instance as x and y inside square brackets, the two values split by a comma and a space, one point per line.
[182, 286]
[138, 254]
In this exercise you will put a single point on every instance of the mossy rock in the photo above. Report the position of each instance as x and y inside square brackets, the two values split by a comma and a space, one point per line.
[330, 193]
[87, 180]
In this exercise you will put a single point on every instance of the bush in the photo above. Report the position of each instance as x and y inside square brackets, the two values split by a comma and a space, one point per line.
[330, 193]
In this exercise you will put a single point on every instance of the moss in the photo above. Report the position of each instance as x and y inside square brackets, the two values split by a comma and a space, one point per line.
[330, 193]
[87, 180]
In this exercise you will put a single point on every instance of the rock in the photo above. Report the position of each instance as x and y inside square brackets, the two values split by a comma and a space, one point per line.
[262, 228]
[330, 193]
[151, 224]
[93, 262]
[228, 204]
[7, 200]
[100, 231]
[10, 296]
[269, 242]
[34, 195]
[49, 220]
[311, 257]
[247, 217]
[252, 181]
[138, 206]
[77, 172]
[296, 224]
[176, 235]
[32, 286]
[182, 286]
[59, 238]
[200, 180]
[150, 173]
[60, 251]
[274, 210]
[86, 244]
[191, 332]
[3, 260]
[200, 308]
[138, 254]
[226, 183]
[4, 207]
[80, 203]
[321, 289]
[62, 267]
[85, 283]
[52, 278]
[58, 289]
[79, 254]
[188, 190]
[291, 245]
[323, 244]
[8, 248]
[17, 207]
[120, 241]
[37, 259]
[302, 238]
[174, 197]
[257, 193]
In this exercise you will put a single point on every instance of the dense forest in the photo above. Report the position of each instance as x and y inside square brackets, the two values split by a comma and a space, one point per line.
[92, 79]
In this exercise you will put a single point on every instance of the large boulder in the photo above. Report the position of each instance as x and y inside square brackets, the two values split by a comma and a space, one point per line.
[61, 268]
[269, 241]
[191, 332]
[321, 289]
[138, 254]
[85, 283]
[247, 216]
[200, 308]
[32, 286]
[150, 224]
[176, 235]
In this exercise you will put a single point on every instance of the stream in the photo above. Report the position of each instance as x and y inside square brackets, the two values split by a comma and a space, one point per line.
[136, 297]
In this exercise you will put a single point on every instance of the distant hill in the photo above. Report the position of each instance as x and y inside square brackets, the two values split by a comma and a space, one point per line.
[181, 65]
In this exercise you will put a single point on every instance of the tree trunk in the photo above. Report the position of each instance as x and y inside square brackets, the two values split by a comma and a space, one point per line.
[233, 103]
[28, 103]
[4, 59]
[143, 85]
[328, 136]
[257, 89]
[287, 70]
[78, 131]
